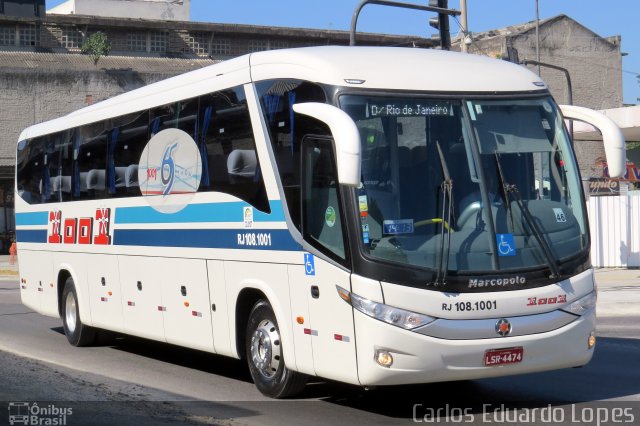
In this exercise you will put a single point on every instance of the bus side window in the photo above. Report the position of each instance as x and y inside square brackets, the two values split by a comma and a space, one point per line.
[228, 150]
[90, 152]
[286, 130]
[321, 210]
[181, 115]
[52, 176]
[127, 139]
[30, 171]
[64, 181]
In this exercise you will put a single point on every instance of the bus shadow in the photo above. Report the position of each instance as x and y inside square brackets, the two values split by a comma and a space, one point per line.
[165, 352]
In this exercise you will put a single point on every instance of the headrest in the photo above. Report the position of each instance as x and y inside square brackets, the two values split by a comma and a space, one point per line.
[242, 162]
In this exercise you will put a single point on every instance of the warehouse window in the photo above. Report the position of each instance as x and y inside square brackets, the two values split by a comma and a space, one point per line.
[258, 45]
[71, 38]
[278, 44]
[199, 43]
[28, 35]
[158, 42]
[221, 46]
[137, 42]
[7, 36]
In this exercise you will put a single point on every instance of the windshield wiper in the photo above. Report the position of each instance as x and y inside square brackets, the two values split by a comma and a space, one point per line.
[447, 203]
[505, 191]
[513, 189]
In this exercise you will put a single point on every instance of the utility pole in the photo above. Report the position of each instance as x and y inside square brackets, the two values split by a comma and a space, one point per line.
[538, 35]
[463, 24]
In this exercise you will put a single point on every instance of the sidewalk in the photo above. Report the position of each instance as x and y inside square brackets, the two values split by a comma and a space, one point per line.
[617, 276]
[618, 292]
[8, 271]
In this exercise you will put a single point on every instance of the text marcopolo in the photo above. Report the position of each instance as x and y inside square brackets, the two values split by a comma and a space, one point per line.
[496, 282]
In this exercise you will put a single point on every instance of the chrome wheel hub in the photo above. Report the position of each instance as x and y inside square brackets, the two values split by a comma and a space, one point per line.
[265, 348]
[70, 312]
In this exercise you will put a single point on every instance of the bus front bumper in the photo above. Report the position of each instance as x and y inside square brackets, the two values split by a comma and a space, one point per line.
[417, 358]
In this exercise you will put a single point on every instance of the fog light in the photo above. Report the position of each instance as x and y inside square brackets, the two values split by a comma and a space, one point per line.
[384, 358]
[591, 342]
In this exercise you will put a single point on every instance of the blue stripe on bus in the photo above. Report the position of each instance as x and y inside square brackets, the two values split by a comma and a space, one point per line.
[198, 213]
[34, 218]
[246, 239]
[31, 236]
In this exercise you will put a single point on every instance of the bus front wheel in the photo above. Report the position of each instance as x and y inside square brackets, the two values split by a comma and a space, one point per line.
[78, 334]
[265, 356]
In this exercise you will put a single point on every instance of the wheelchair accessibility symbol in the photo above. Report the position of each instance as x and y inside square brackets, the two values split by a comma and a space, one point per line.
[506, 245]
[309, 265]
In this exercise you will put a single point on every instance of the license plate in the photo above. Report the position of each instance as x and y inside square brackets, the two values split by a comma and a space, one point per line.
[503, 356]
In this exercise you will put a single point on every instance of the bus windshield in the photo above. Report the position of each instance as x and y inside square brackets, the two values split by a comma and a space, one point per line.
[467, 185]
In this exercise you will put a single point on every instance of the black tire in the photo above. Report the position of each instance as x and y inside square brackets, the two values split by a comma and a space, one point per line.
[78, 334]
[273, 379]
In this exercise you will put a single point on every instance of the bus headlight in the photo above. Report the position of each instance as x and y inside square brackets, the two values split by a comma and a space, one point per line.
[582, 305]
[394, 316]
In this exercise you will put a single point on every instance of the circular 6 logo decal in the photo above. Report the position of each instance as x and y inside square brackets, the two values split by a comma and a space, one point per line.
[170, 170]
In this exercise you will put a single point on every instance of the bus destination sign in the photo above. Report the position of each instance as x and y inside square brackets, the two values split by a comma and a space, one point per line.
[408, 110]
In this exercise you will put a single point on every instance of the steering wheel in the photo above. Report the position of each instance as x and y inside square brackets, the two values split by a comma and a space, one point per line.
[431, 222]
[468, 213]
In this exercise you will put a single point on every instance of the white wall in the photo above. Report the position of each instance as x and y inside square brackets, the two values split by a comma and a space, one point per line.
[167, 10]
[615, 230]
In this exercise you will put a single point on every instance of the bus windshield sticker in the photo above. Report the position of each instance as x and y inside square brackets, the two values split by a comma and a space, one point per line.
[400, 226]
[170, 164]
[408, 110]
[363, 204]
[248, 217]
[506, 245]
[365, 233]
[560, 216]
[330, 216]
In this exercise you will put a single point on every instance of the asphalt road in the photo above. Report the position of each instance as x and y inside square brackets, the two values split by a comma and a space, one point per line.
[126, 380]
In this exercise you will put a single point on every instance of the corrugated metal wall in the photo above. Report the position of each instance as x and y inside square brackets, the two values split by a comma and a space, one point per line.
[615, 230]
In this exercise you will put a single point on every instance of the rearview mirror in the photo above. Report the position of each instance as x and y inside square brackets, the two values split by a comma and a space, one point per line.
[612, 137]
[345, 135]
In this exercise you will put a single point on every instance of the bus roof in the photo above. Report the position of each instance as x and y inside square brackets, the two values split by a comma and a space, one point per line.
[391, 68]
[396, 68]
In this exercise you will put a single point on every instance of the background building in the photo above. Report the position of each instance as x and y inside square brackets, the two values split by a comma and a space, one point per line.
[26, 8]
[594, 64]
[170, 10]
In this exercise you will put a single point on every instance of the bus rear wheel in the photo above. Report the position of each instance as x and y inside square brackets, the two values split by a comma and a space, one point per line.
[78, 334]
[265, 356]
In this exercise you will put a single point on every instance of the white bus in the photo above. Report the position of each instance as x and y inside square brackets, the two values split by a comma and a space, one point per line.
[376, 216]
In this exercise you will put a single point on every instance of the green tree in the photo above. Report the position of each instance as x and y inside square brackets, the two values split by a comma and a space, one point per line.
[96, 45]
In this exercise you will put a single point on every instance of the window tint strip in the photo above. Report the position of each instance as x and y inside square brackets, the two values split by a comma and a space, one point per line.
[199, 213]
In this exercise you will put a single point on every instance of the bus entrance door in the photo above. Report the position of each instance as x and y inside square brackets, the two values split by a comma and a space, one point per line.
[331, 323]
